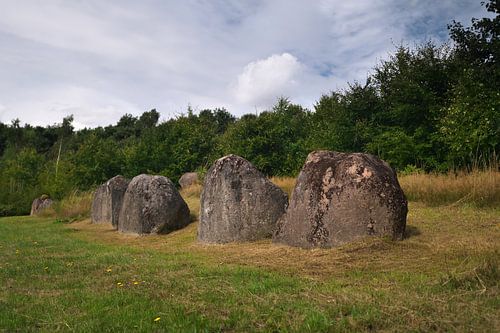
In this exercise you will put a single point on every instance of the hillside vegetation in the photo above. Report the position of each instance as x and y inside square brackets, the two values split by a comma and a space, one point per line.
[84, 277]
[427, 108]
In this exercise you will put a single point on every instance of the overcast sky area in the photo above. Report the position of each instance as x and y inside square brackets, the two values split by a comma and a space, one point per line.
[100, 59]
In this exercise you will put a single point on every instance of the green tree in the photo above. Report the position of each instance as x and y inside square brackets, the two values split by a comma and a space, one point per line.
[274, 141]
[96, 161]
[19, 172]
[471, 125]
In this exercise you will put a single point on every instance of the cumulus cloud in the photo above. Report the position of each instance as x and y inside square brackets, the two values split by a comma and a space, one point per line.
[263, 80]
[100, 60]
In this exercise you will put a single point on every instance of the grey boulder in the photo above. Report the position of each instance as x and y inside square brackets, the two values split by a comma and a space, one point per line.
[40, 204]
[108, 200]
[188, 179]
[341, 197]
[238, 203]
[152, 205]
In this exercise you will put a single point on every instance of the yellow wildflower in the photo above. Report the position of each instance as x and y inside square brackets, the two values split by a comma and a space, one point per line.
[157, 319]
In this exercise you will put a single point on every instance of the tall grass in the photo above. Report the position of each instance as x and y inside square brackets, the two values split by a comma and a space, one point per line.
[75, 206]
[191, 195]
[477, 188]
[285, 183]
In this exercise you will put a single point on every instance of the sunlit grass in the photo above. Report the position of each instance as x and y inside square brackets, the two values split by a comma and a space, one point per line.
[478, 188]
[85, 277]
[286, 183]
[75, 206]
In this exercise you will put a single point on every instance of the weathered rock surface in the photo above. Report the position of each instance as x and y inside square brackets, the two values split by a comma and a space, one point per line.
[341, 197]
[188, 179]
[238, 203]
[39, 204]
[107, 202]
[152, 205]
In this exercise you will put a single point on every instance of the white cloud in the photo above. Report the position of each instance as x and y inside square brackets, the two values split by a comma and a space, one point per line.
[100, 59]
[263, 80]
[50, 106]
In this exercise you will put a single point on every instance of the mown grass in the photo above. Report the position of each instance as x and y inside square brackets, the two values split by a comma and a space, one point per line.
[81, 277]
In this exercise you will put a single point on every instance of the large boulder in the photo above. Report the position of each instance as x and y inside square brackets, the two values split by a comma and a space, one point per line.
[152, 205]
[342, 197]
[238, 203]
[40, 204]
[188, 179]
[107, 202]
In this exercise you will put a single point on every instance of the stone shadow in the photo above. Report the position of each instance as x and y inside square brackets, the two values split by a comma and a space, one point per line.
[411, 231]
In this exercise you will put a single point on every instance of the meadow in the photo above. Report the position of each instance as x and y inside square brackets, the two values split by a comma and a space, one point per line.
[59, 272]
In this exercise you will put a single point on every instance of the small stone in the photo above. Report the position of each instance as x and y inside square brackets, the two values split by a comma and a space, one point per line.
[188, 179]
[40, 204]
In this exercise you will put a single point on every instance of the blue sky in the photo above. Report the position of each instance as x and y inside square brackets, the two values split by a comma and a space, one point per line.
[100, 59]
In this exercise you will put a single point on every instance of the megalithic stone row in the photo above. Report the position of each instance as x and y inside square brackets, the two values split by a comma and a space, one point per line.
[341, 197]
[152, 205]
[238, 203]
[107, 201]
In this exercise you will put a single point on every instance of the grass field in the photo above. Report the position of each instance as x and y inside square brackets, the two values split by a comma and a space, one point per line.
[80, 277]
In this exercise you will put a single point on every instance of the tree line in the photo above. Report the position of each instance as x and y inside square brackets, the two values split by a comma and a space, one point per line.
[428, 107]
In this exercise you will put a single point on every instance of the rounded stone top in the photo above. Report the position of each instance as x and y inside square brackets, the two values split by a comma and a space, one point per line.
[188, 179]
[118, 180]
[146, 179]
[232, 164]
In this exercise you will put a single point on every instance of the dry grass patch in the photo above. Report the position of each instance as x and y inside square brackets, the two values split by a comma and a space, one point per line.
[286, 183]
[436, 240]
[441, 236]
[191, 195]
[479, 188]
[76, 206]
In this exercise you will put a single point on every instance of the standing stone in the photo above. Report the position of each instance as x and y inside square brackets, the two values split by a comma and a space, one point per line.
[238, 203]
[108, 199]
[39, 204]
[188, 179]
[342, 197]
[152, 205]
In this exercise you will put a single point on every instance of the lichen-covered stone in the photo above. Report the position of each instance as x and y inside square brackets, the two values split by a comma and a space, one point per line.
[188, 179]
[107, 202]
[342, 197]
[40, 204]
[152, 205]
[238, 203]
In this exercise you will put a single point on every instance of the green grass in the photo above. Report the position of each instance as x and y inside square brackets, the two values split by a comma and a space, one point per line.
[87, 278]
